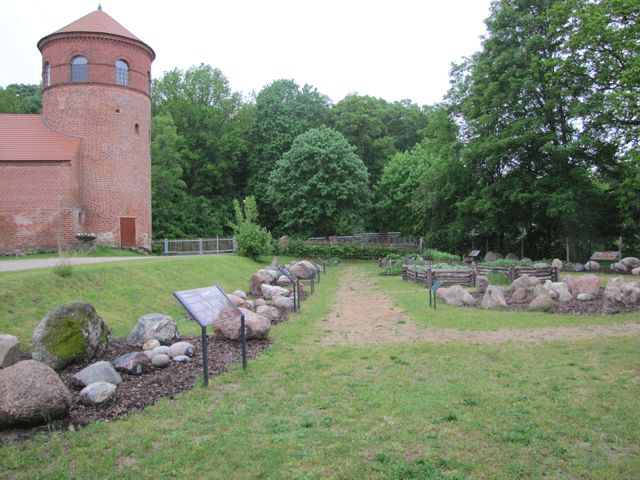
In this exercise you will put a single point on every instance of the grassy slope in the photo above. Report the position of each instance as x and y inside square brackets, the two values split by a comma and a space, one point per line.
[96, 252]
[559, 410]
[414, 299]
[120, 291]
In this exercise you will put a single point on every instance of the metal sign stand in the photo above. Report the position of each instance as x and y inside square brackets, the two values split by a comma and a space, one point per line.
[207, 306]
[296, 285]
[432, 292]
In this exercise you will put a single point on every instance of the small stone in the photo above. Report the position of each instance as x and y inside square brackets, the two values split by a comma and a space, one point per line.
[161, 360]
[181, 348]
[160, 350]
[150, 345]
[97, 393]
[9, 350]
[98, 372]
[181, 359]
[132, 363]
[240, 293]
[585, 297]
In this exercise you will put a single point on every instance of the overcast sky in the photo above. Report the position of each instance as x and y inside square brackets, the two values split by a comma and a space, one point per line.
[393, 49]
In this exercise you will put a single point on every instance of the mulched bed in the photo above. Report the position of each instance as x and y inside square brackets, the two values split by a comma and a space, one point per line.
[574, 307]
[136, 393]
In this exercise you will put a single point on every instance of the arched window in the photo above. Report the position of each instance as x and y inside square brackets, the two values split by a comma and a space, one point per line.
[47, 75]
[79, 69]
[122, 73]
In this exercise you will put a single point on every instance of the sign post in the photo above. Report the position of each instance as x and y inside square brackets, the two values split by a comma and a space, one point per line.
[432, 291]
[207, 306]
[296, 285]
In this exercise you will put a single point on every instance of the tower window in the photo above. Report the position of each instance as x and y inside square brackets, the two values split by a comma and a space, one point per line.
[79, 69]
[149, 82]
[122, 73]
[47, 74]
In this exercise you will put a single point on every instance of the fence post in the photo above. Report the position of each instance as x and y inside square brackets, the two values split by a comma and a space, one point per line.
[217, 244]
[166, 246]
[200, 246]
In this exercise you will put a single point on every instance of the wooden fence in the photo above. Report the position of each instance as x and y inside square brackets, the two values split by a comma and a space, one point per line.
[468, 277]
[198, 246]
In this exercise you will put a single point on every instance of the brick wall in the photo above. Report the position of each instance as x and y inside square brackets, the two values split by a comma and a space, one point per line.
[39, 208]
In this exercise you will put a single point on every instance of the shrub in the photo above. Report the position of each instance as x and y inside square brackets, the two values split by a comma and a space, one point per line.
[438, 256]
[63, 270]
[446, 266]
[392, 270]
[393, 256]
[503, 262]
[253, 240]
[352, 251]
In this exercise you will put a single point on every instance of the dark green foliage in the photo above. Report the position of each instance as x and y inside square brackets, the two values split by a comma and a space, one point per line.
[320, 187]
[392, 270]
[253, 240]
[21, 98]
[438, 256]
[344, 251]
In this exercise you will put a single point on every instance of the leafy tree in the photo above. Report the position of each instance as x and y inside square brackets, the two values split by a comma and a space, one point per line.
[320, 186]
[253, 240]
[21, 98]
[214, 124]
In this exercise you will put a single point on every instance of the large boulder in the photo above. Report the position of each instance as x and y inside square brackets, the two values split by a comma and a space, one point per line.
[629, 263]
[526, 282]
[255, 282]
[592, 266]
[181, 348]
[274, 314]
[101, 371]
[239, 301]
[303, 270]
[511, 256]
[635, 271]
[612, 300]
[492, 256]
[154, 326]
[542, 303]
[493, 298]
[9, 350]
[256, 326]
[557, 290]
[458, 297]
[482, 282]
[618, 267]
[630, 293]
[556, 262]
[583, 284]
[520, 295]
[283, 281]
[72, 332]
[31, 393]
[270, 291]
[578, 267]
[284, 303]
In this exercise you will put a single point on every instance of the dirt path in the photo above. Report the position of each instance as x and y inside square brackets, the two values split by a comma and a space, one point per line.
[363, 315]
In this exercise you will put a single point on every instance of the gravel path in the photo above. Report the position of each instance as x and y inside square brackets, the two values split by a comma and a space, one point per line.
[14, 265]
[362, 315]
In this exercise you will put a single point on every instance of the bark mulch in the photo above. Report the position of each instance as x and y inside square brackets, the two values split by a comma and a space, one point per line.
[138, 392]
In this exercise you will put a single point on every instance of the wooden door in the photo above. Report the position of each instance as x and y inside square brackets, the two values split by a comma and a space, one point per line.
[127, 232]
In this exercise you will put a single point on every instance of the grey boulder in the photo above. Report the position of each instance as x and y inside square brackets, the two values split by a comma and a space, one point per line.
[181, 348]
[270, 291]
[458, 297]
[97, 393]
[161, 360]
[72, 332]
[493, 298]
[9, 350]
[256, 326]
[154, 326]
[132, 363]
[101, 371]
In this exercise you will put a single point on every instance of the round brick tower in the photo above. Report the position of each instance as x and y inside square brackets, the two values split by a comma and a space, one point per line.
[96, 80]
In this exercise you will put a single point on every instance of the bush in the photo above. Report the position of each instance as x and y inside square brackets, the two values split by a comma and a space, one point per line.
[253, 240]
[352, 251]
[438, 256]
[503, 262]
[392, 270]
[393, 256]
[446, 266]
[63, 270]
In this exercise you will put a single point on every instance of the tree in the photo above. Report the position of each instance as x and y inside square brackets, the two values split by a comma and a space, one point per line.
[214, 124]
[520, 101]
[21, 98]
[320, 186]
[253, 240]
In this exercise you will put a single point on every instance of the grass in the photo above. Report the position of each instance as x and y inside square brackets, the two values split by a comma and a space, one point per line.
[405, 411]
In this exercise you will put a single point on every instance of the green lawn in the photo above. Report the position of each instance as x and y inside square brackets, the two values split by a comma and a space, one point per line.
[304, 411]
[95, 252]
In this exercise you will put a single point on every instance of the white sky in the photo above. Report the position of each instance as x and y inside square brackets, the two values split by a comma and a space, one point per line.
[392, 49]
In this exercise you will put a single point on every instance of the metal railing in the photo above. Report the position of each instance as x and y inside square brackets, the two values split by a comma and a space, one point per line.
[198, 246]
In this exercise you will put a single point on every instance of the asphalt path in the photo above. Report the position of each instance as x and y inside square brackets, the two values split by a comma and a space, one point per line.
[15, 265]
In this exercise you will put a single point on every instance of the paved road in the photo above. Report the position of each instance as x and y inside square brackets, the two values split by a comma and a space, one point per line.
[13, 265]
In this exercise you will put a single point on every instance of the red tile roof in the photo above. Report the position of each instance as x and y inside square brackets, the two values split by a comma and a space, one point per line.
[26, 137]
[97, 22]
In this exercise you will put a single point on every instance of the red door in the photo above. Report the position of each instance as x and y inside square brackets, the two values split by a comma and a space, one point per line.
[127, 232]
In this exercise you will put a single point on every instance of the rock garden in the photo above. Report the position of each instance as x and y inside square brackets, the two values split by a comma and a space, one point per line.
[77, 374]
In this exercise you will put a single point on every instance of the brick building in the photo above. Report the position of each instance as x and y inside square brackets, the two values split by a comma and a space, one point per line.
[84, 165]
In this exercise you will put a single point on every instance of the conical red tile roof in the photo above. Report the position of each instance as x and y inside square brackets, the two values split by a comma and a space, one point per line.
[98, 22]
